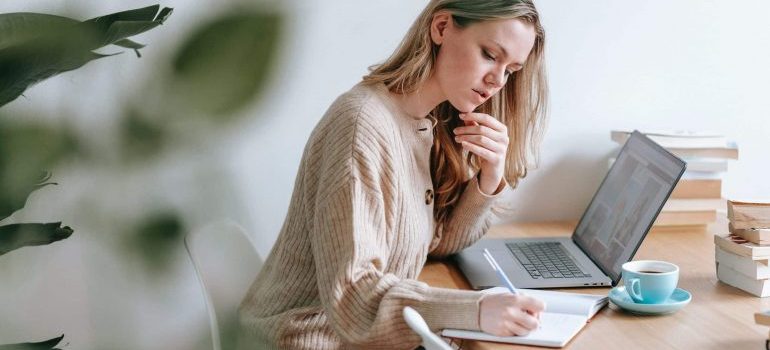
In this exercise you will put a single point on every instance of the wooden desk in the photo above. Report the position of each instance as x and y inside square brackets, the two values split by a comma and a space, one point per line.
[718, 317]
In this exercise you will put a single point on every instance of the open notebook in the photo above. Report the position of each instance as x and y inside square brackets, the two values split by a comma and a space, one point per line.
[565, 314]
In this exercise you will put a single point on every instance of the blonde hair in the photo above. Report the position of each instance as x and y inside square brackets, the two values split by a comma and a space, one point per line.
[521, 104]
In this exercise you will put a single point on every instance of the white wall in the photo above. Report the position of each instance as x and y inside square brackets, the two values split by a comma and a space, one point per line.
[687, 64]
[658, 65]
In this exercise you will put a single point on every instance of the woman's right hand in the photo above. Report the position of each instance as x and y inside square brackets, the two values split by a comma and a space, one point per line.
[506, 314]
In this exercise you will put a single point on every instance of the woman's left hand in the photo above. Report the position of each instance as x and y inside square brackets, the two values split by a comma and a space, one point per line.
[487, 138]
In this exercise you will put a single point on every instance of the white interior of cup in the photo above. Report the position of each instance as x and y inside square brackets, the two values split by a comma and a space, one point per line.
[659, 267]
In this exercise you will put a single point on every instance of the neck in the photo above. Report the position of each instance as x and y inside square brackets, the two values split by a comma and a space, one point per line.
[419, 103]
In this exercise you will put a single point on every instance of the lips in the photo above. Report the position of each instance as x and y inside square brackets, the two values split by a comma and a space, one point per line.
[483, 94]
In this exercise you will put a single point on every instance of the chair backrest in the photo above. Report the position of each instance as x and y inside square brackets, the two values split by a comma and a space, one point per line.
[226, 264]
[430, 341]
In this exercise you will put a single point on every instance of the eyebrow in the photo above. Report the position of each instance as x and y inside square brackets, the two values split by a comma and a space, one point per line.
[505, 53]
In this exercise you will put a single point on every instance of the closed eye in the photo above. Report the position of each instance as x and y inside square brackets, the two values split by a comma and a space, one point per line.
[489, 56]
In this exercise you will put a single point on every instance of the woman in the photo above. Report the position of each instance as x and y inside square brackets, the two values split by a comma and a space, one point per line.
[409, 163]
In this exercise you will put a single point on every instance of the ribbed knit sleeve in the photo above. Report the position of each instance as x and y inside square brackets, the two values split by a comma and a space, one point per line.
[469, 221]
[351, 246]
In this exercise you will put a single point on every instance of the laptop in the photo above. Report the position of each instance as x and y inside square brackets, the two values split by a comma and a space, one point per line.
[608, 234]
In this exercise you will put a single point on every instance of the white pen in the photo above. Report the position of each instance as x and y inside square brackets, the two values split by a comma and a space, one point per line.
[503, 277]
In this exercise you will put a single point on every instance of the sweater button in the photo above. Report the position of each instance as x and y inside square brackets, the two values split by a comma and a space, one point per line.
[428, 197]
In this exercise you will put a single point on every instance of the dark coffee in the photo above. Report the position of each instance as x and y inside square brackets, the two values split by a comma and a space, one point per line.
[650, 272]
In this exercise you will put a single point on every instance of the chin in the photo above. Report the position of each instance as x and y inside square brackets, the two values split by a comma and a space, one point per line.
[463, 106]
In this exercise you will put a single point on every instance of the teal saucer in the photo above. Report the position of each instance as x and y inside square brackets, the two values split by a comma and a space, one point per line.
[677, 300]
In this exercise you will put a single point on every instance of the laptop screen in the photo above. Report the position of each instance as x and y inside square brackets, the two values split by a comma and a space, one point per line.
[628, 201]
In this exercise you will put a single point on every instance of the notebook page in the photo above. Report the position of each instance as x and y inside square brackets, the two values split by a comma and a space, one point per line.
[569, 303]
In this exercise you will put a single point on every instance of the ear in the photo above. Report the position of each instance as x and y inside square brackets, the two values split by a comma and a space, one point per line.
[439, 24]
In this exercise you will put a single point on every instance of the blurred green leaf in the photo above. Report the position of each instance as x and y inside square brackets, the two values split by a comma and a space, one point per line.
[15, 199]
[141, 138]
[22, 27]
[43, 345]
[154, 240]
[25, 152]
[225, 63]
[36, 46]
[121, 25]
[130, 45]
[16, 236]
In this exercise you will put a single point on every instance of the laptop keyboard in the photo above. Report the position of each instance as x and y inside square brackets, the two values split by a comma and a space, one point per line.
[546, 260]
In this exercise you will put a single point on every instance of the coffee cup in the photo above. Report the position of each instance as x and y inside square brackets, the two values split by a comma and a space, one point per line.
[650, 281]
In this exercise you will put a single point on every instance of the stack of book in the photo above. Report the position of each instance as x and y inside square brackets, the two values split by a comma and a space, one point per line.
[743, 256]
[763, 318]
[698, 195]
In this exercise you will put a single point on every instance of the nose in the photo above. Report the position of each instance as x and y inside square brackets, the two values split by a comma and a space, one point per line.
[496, 78]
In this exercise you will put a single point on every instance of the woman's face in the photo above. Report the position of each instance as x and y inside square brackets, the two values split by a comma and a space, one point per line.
[474, 62]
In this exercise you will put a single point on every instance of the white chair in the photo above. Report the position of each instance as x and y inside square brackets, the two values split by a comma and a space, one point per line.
[430, 341]
[226, 264]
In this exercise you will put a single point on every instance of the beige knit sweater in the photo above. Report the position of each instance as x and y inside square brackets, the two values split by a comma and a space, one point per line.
[358, 231]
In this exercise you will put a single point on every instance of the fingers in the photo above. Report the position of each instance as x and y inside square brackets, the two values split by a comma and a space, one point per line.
[483, 141]
[485, 125]
[526, 319]
[482, 152]
[518, 323]
[515, 329]
[530, 304]
[507, 314]
[481, 130]
[528, 311]
[484, 136]
[484, 119]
